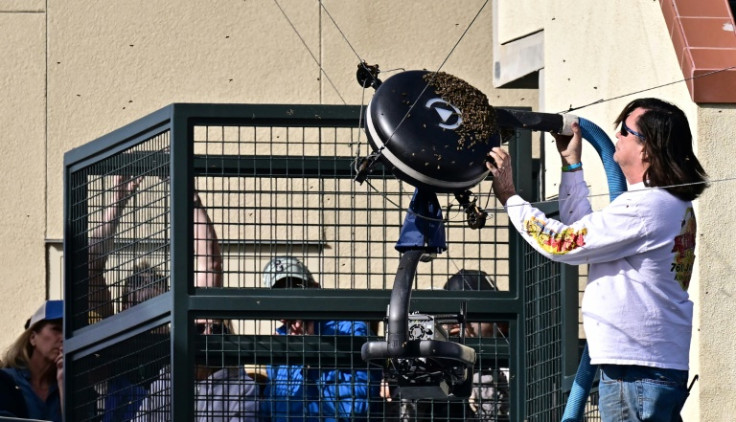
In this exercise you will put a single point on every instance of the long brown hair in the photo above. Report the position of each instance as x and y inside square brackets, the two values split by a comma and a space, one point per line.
[668, 144]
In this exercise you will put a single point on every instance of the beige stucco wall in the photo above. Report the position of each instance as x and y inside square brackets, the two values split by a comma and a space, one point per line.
[80, 69]
[616, 52]
[22, 163]
[715, 292]
[73, 70]
[519, 19]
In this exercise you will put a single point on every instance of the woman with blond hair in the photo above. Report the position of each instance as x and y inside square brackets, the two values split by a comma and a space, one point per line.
[34, 365]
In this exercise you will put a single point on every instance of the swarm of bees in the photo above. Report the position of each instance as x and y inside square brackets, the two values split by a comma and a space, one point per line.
[479, 118]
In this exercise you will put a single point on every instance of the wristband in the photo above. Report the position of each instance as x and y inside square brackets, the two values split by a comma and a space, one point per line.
[572, 167]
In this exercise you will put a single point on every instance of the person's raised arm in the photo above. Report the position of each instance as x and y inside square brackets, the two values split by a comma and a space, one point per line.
[206, 248]
[498, 162]
[570, 147]
[101, 242]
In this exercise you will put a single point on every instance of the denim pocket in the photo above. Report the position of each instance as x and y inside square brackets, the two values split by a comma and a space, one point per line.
[645, 394]
[605, 379]
[662, 394]
[660, 399]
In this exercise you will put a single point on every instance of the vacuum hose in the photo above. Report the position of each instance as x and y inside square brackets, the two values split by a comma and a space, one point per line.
[562, 124]
[580, 390]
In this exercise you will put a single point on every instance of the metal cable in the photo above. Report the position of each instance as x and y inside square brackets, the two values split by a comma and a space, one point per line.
[322, 70]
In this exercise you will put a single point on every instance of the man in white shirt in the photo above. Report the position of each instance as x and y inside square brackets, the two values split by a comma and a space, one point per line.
[640, 249]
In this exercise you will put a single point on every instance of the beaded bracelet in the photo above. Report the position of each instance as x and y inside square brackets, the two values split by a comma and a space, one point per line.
[572, 167]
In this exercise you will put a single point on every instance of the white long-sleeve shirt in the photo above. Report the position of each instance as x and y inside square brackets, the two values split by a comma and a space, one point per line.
[640, 251]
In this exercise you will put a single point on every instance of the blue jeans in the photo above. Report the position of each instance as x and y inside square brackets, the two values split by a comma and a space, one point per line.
[639, 393]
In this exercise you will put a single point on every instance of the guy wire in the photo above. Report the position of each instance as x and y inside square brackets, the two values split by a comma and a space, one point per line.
[548, 201]
[426, 86]
[602, 100]
[310, 51]
[360, 60]
[607, 194]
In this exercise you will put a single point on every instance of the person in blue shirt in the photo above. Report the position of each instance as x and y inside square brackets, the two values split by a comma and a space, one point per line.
[11, 398]
[300, 393]
[34, 363]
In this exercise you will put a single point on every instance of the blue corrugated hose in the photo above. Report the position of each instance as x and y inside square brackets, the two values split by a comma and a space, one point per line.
[580, 390]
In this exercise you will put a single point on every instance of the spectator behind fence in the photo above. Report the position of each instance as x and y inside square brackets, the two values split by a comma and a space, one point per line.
[489, 398]
[296, 393]
[126, 391]
[222, 394]
[33, 366]
[640, 251]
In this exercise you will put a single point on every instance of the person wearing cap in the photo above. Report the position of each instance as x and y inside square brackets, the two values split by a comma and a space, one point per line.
[35, 364]
[296, 393]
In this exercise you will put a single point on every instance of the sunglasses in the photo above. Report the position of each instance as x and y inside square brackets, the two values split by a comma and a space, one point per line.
[211, 328]
[625, 130]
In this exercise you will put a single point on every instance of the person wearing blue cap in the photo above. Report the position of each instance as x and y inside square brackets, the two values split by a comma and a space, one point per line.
[33, 365]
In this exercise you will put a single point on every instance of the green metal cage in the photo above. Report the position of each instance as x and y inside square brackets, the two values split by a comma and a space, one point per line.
[277, 180]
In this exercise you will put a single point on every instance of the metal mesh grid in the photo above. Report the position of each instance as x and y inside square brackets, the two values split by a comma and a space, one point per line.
[120, 238]
[314, 370]
[543, 321]
[275, 190]
[111, 383]
[343, 231]
[591, 413]
[235, 371]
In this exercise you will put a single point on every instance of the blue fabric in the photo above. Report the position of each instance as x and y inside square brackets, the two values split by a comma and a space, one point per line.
[326, 395]
[37, 409]
[637, 393]
[54, 310]
[423, 226]
[11, 398]
[122, 400]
